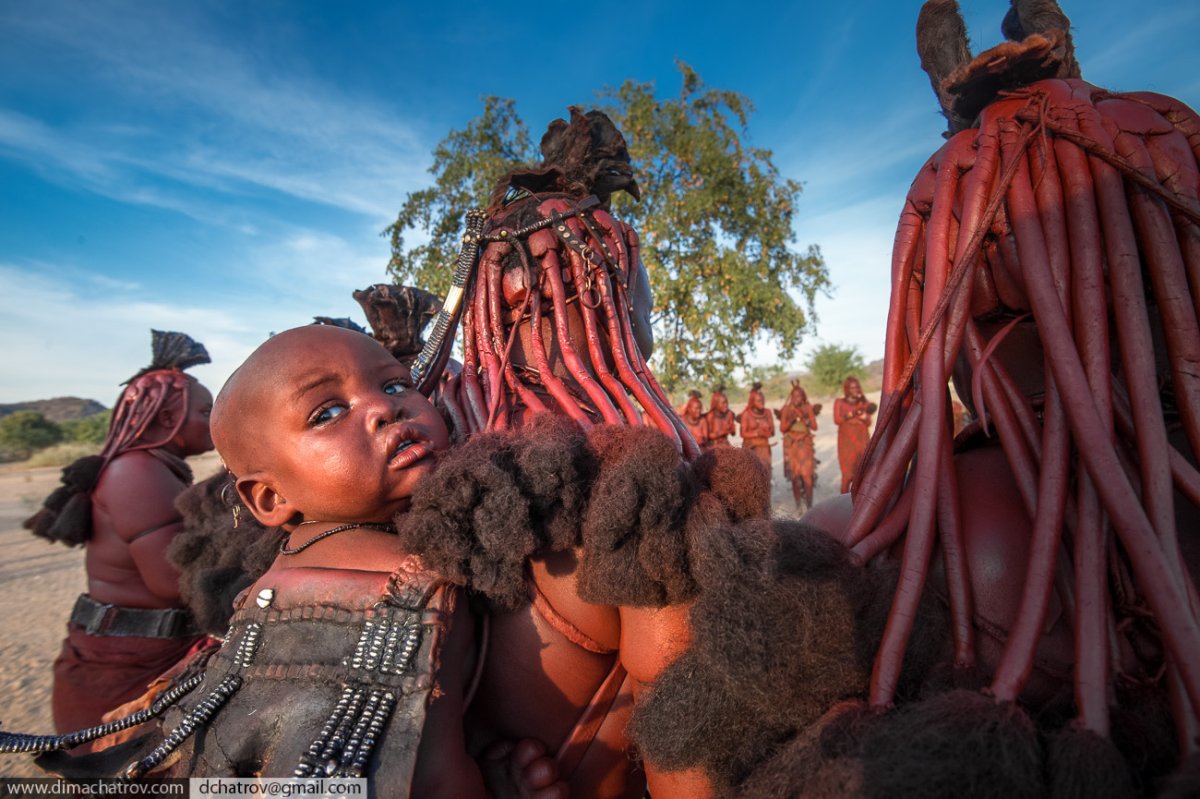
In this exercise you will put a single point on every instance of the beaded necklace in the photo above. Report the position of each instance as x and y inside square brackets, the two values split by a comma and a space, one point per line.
[382, 527]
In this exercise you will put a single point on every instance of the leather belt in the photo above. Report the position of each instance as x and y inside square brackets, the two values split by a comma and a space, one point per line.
[98, 618]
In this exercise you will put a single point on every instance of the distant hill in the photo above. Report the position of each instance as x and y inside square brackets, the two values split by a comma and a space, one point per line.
[59, 409]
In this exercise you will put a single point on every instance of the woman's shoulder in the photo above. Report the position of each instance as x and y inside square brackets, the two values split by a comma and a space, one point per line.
[140, 471]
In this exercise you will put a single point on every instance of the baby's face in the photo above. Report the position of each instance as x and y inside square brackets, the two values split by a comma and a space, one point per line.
[348, 438]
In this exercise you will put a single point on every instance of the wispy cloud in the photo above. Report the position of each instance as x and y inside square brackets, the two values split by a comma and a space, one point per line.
[1161, 44]
[52, 325]
[310, 272]
[238, 123]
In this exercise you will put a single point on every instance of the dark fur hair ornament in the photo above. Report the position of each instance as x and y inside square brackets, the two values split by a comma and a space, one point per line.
[398, 316]
[1082, 763]
[587, 155]
[691, 716]
[737, 480]
[634, 551]
[497, 499]
[806, 765]
[784, 628]
[621, 494]
[776, 627]
[344, 322]
[66, 515]
[171, 350]
[217, 560]
[960, 743]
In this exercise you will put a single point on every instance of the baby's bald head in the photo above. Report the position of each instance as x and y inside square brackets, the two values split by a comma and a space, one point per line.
[252, 393]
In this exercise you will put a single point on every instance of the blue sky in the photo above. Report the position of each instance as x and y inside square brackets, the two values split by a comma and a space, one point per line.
[225, 168]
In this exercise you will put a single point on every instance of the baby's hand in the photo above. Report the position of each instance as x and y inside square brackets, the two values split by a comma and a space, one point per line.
[521, 770]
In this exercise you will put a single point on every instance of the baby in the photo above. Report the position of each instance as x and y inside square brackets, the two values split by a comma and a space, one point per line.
[345, 657]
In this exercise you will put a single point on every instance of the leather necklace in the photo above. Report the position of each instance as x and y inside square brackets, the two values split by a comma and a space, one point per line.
[382, 527]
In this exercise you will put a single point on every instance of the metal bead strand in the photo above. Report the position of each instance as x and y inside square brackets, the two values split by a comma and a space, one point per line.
[400, 654]
[375, 644]
[390, 644]
[328, 760]
[13, 743]
[375, 724]
[360, 728]
[200, 714]
[310, 759]
[248, 645]
[360, 648]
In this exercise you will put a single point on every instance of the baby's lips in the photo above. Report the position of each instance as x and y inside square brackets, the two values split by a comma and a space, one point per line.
[398, 434]
[408, 457]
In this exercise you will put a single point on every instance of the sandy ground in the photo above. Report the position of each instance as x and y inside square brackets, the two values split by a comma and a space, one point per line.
[39, 581]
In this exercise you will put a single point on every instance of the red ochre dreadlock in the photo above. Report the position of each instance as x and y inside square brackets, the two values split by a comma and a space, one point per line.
[548, 317]
[138, 407]
[1076, 209]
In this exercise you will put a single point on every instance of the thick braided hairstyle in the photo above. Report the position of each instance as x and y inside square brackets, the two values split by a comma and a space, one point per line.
[65, 515]
[555, 315]
[160, 385]
[1063, 219]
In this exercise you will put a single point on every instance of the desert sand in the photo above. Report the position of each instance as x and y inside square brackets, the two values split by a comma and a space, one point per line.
[39, 581]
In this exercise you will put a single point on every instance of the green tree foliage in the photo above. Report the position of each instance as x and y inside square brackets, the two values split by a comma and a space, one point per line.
[830, 364]
[24, 432]
[88, 430]
[715, 222]
[466, 166]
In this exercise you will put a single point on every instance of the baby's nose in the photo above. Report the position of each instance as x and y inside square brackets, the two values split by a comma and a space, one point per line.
[388, 411]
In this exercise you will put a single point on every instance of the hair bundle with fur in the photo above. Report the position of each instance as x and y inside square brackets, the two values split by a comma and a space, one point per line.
[217, 560]
[621, 494]
[66, 515]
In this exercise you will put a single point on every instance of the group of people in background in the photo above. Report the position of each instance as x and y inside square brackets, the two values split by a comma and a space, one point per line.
[797, 419]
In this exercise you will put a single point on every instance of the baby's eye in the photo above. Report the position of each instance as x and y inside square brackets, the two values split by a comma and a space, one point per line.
[395, 387]
[326, 414]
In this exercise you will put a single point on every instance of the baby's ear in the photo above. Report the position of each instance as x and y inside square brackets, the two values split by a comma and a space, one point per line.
[261, 498]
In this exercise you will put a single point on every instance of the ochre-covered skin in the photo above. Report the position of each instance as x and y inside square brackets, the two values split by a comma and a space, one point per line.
[692, 415]
[852, 415]
[134, 519]
[719, 422]
[757, 426]
[1047, 259]
[549, 328]
[798, 423]
[541, 675]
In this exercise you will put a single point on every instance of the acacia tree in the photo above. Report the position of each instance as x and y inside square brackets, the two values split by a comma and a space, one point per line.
[466, 165]
[715, 222]
[830, 364]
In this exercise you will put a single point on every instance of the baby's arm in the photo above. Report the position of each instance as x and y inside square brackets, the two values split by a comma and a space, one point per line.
[509, 770]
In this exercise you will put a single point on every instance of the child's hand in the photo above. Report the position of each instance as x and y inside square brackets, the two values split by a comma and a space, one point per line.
[521, 770]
